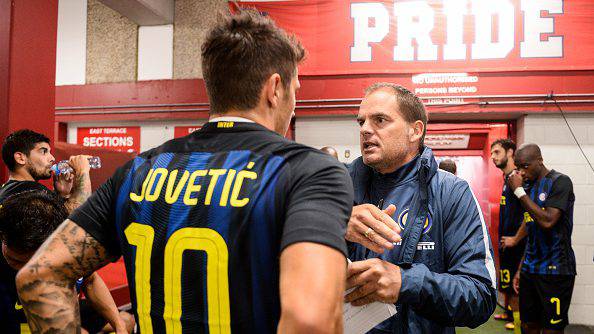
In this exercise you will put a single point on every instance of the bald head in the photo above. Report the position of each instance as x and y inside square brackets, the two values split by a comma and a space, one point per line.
[528, 160]
[448, 165]
[528, 152]
[330, 150]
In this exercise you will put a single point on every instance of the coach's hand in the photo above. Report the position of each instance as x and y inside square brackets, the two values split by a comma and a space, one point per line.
[373, 228]
[374, 280]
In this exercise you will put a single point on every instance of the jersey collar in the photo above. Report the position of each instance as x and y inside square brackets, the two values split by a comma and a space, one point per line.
[230, 119]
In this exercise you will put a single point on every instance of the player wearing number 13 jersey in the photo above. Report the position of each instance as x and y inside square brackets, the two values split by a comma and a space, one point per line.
[230, 229]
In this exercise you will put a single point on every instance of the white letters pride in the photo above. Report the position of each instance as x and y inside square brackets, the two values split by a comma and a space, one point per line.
[416, 19]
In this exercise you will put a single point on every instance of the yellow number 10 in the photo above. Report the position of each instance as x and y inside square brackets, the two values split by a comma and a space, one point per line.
[217, 282]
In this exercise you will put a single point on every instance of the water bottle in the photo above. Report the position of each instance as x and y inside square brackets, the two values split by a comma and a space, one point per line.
[63, 167]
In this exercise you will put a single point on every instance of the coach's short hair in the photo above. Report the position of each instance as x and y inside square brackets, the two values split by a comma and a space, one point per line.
[29, 217]
[240, 53]
[506, 143]
[410, 106]
[20, 141]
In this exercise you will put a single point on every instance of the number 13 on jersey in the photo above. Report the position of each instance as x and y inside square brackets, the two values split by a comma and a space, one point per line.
[188, 238]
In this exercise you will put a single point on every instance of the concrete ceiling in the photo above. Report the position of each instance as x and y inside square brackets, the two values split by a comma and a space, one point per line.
[144, 12]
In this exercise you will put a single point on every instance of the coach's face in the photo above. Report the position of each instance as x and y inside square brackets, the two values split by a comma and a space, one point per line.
[386, 138]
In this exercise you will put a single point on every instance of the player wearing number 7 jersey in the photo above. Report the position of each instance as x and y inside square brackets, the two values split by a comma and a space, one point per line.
[548, 271]
[230, 229]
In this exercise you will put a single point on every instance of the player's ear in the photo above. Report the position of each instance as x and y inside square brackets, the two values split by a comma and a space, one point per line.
[272, 90]
[20, 158]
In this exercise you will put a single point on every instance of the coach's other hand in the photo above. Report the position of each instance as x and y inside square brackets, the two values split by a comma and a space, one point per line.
[373, 228]
[374, 280]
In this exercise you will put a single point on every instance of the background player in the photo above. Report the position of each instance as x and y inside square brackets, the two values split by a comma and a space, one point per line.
[27, 154]
[548, 270]
[511, 215]
[230, 229]
[27, 219]
[448, 165]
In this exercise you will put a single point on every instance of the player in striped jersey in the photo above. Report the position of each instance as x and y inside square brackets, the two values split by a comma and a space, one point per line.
[511, 249]
[230, 229]
[548, 270]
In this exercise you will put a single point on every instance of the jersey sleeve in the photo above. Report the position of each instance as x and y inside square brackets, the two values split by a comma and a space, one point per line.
[561, 193]
[319, 203]
[97, 216]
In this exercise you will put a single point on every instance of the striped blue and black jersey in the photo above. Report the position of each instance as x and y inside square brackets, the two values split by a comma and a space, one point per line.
[201, 222]
[511, 216]
[511, 212]
[549, 251]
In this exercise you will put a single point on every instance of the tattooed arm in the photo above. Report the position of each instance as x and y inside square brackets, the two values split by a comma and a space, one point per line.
[46, 284]
[81, 188]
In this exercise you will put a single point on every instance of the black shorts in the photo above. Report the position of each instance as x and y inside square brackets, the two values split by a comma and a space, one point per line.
[90, 319]
[544, 299]
[509, 260]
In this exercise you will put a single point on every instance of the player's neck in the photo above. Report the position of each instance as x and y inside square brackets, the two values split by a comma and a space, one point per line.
[543, 172]
[20, 175]
[508, 168]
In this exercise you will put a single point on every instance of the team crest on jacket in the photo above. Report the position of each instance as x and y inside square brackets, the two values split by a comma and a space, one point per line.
[402, 221]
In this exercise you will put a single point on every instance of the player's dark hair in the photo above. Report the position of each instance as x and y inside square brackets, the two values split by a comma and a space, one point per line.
[410, 106]
[506, 143]
[29, 217]
[20, 141]
[240, 53]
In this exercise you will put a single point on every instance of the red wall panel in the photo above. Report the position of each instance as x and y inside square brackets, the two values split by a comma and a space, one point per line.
[27, 66]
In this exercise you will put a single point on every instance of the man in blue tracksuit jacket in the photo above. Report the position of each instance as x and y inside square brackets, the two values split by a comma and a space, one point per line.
[441, 273]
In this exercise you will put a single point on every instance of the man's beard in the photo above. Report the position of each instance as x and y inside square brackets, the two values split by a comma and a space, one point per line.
[37, 175]
[502, 164]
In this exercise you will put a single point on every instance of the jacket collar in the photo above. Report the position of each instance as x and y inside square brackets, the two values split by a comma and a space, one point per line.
[363, 174]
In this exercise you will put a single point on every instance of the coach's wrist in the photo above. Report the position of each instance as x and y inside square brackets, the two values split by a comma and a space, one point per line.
[519, 192]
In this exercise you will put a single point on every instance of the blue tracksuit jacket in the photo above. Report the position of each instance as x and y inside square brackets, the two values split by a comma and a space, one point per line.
[448, 274]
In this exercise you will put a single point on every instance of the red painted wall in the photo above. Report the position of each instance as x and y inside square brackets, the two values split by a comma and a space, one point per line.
[326, 95]
[28, 31]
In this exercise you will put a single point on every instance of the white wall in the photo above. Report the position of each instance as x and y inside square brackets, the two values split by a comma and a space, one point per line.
[71, 48]
[152, 134]
[562, 154]
[155, 52]
[342, 133]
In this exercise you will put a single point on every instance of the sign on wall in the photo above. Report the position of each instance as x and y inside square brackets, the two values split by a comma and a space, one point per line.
[387, 36]
[447, 141]
[123, 139]
[181, 131]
